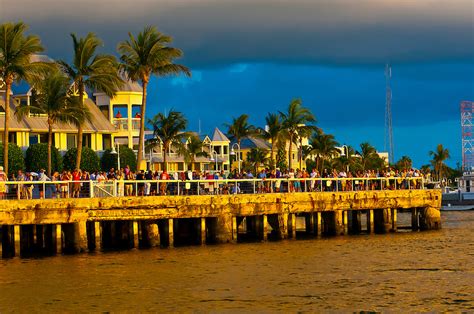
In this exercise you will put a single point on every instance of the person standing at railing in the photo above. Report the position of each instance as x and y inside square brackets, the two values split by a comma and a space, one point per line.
[129, 176]
[148, 178]
[65, 178]
[3, 186]
[85, 184]
[164, 176]
[76, 185]
[28, 187]
[20, 188]
[42, 177]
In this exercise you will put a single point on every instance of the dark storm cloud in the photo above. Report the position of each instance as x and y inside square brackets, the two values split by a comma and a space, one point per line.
[214, 33]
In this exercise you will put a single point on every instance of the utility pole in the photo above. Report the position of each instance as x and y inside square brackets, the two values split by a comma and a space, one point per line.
[388, 140]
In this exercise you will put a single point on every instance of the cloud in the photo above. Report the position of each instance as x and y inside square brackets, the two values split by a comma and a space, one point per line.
[214, 33]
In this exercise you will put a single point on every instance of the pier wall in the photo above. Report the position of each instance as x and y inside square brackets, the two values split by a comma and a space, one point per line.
[82, 224]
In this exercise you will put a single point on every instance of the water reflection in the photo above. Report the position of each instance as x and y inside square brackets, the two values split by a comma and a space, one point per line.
[425, 271]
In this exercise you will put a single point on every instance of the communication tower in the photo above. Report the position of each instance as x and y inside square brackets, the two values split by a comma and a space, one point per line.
[467, 109]
[388, 140]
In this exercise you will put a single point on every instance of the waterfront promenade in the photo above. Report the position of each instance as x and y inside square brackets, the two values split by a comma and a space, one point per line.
[90, 223]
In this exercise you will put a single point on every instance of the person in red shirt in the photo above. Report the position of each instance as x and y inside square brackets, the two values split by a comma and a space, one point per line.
[76, 186]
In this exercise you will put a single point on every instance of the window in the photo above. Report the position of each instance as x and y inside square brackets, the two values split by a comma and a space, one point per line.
[87, 140]
[226, 150]
[33, 138]
[71, 141]
[106, 141]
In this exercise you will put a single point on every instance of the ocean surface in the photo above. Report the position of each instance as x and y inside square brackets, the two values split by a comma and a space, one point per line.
[406, 271]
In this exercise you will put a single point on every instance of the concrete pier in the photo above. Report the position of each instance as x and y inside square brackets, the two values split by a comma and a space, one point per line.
[81, 225]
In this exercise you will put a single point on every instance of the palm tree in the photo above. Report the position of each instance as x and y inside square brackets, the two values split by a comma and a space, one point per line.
[142, 56]
[273, 133]
[257, 157]
[169, 130]
[367, 154]
[50, 97]
[324, 147]
[240, 129]
[90, 70]
[295, 122]
[193, 149]
[16, 51]
[439, 156]
[405, 162]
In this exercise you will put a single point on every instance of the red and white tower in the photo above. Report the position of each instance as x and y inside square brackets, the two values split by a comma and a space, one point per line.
[467, 128]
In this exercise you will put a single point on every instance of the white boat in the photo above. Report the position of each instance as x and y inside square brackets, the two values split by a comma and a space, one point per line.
[457, 207]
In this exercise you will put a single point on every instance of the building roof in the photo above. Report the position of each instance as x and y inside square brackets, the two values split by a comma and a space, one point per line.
[23, 88]
[128, 86]
[218, 136]
[98, 123]
[254, 142]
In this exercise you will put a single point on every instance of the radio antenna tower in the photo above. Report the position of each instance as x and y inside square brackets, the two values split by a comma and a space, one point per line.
[467, 128]
[388, 143]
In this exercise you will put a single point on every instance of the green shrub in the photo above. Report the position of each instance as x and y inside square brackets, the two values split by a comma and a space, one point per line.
[127, 157]
[16, 160]
[89, 160]
[37, 158]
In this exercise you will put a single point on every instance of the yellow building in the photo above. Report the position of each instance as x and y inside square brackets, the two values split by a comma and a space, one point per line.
[123, 112]
[33, 129]
[216, 147]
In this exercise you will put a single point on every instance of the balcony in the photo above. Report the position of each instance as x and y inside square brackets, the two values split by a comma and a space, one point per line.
[122, 123]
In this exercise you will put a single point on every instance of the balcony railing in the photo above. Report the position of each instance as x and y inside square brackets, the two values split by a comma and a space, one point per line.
[122, 123]
[113, 188]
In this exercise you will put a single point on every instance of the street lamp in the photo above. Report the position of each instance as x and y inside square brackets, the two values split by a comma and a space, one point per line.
[343, 155]
[214, 159]
[116, 152]
[232, 152]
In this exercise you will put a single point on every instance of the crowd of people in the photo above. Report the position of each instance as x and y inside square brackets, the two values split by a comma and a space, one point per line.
[125, 182]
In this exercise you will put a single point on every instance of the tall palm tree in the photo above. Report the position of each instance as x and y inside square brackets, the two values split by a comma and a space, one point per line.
[439, 156]
[324, 148]
[257, 157]
[169, 129]
[145, 55]
[90, 70]
[273, 132]
[16, 51]
[50, 97]
[367, 154]
[240, 129]
[295, 121]
[193, 149]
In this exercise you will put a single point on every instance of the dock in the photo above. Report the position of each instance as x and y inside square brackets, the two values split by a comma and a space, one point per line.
[72, 225]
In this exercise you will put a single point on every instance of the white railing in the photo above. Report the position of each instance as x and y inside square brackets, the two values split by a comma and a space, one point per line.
[114, 188]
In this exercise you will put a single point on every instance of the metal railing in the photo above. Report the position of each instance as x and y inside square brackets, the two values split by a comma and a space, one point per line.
[113, 188]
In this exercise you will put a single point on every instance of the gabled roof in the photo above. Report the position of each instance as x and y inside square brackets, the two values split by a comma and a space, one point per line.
[218, 136]
[254, 142]
[99, 122]
[23, 88]
[128, 86]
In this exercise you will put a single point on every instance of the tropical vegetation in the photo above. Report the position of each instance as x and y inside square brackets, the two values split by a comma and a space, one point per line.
[89, 69]
[16, 52]
[145, 55]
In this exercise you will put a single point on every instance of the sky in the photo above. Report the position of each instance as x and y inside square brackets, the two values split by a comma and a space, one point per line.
[255, 56]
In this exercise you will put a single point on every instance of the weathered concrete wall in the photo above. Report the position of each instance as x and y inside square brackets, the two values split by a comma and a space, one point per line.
[223, 207]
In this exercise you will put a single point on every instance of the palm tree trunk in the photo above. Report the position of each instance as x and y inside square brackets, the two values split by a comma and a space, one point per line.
[7, 124]
[271, 155]
[289, 153]
[165, 152]
[142, 125]
[50, 145]
[80, 128]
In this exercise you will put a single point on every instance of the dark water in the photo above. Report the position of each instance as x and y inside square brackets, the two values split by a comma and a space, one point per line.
[426, 271]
